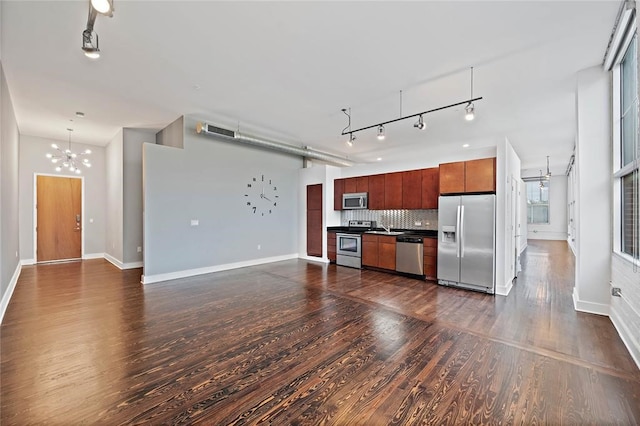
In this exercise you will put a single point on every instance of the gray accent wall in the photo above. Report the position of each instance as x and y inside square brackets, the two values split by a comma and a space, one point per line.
[32, 161]
[114, 191]
[9, 142]
[207, 181]
[133, 140]
[172, 135]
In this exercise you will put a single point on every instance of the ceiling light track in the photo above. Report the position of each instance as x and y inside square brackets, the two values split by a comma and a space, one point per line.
[411, 116]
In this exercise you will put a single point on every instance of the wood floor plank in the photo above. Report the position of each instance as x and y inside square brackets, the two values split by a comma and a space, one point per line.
[297, 342]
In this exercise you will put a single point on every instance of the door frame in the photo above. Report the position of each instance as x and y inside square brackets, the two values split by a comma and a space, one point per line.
[35, 210]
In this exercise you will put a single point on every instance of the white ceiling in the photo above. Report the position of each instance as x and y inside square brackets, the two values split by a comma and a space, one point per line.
[284, 70]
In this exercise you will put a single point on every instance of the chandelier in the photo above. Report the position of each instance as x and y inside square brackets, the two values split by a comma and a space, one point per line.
[67, 159]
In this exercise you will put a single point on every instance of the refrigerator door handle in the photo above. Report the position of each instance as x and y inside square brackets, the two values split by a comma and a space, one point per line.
[461, 231]
[457, 236]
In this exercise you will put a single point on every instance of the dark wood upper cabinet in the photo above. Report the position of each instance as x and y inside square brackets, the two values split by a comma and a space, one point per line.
[430, 188]
[480, 175]
[393, 191]
[452, 178]
[350, 185]
[471, 176]
[412, 189]
[362, 184]
[338, 190]
[376, 192]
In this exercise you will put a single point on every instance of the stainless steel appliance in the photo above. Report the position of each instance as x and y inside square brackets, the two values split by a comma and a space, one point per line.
[357, 200]
[349, 245]
[466, 242]
[410, 254]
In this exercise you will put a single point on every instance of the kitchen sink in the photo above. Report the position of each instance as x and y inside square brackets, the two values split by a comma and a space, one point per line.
[393, 233]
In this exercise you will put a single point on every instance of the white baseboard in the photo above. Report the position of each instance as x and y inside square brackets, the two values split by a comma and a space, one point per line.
[120, 265]
[93, 256]
[149, 279]
[633, 346]
[589, 307]
[503, 290]
[6, 297]
[27, 262]
[314, 259]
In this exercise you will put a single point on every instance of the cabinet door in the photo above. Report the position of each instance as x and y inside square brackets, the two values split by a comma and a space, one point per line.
[376, 192]
[480, 175]
[387, 253]
[338, 190]
[393, 191]
[430, 188]
[412, 189]
[314, 233]
[331, 246]
[314, 197]
[452, 178]
[350, 185]
[370, 250]
[362, 184]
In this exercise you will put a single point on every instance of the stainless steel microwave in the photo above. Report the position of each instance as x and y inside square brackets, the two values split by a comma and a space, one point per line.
[357, 200]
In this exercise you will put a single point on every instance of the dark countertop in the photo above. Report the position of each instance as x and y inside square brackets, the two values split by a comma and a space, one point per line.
[422, 232]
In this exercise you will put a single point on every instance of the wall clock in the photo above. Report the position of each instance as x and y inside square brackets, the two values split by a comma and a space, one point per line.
[261, 196]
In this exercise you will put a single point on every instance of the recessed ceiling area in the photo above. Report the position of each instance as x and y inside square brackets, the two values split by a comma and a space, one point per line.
[284, 71]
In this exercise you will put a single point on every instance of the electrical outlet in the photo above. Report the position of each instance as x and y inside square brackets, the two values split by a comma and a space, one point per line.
[417, 223]
[259, 247]
[139, 249]
[195, 222]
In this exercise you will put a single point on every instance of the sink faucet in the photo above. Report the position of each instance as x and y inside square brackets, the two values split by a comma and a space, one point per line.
[386, 228]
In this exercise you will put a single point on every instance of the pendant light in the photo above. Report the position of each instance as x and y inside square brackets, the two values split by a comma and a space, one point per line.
[420, 125]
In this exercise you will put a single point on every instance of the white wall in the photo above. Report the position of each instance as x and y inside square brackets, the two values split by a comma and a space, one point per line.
[556, 229]
[593, 192]
[524, 227]
[508, 168]
[207, 181]
[32, 161]
[9, 184]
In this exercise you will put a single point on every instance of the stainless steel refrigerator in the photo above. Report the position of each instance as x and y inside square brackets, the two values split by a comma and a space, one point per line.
[466, 241]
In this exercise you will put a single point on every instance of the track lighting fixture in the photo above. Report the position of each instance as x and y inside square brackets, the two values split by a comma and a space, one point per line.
[351, 139]
[90, 42]
[91, 49]
[420, 124]
[548, 175]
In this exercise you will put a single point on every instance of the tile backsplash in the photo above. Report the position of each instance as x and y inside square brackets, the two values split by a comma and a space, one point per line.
[404, 219]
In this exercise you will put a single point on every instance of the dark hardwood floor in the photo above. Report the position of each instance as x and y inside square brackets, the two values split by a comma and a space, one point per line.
[301, 343]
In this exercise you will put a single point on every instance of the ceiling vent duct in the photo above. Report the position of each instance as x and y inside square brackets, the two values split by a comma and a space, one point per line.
[230, 135]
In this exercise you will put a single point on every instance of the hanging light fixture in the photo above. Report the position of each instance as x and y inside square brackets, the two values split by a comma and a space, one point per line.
[91, 49]
[351, 139]
[90, 40]
[104, 7]
[469, 110]
[420, 124]
[67, 159]
[548, 175]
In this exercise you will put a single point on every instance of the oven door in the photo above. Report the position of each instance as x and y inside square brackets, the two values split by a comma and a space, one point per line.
[349, 244]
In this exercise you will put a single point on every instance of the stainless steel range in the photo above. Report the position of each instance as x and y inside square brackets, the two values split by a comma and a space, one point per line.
[349, 243]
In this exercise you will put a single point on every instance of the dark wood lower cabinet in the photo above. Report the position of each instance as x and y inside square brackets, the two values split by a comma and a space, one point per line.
[331, 246]
[430, 258]
[379, 251]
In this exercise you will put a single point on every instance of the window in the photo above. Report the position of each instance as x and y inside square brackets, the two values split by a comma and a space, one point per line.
[627, 155]
[538, 202]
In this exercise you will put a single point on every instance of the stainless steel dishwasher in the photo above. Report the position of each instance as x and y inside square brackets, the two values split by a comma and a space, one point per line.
[410, 254]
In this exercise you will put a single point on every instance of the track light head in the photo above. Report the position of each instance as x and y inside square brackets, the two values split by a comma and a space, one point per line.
[469, 112]
[351, 140]
[381, 132]
[104, 7]
[420, 124]
[91, 49]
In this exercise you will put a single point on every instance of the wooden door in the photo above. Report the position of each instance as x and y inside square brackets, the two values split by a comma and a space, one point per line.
[376, 192]
[412, 189]
[393, 191]
[59, 220]
[480, 175]
[452, 178]
[314, 220]
[430, 188]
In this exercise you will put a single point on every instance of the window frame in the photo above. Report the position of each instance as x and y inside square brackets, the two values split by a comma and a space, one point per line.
[548, 203]
[621, 171]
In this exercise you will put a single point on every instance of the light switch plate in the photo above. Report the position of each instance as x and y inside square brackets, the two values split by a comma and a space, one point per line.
[195, 222]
